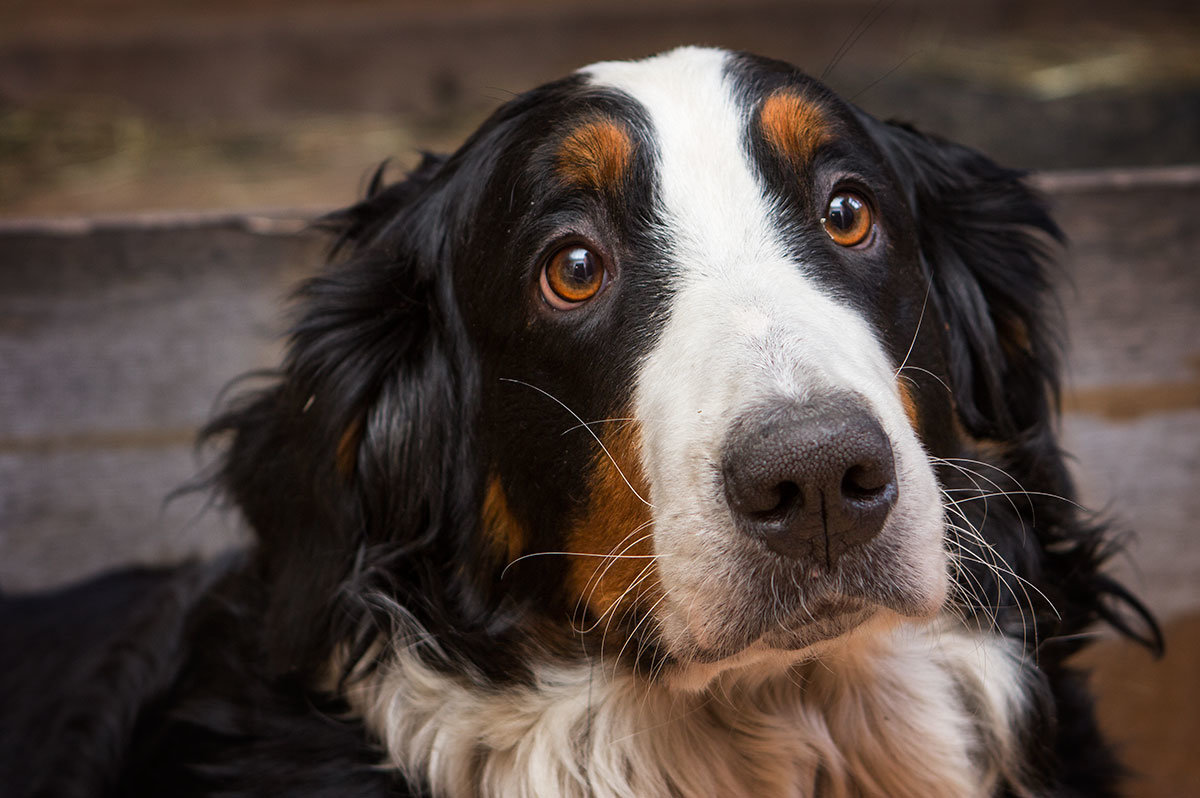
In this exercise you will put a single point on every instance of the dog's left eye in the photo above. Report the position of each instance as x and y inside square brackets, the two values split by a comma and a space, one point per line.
[848, 219]
[572, 276]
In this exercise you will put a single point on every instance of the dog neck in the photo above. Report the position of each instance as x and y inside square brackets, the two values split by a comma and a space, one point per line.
[928, 709]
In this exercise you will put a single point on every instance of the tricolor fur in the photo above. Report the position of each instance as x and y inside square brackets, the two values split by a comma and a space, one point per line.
[512, 539]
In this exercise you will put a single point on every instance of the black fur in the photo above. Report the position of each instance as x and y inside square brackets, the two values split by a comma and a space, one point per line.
[362, 467]
[986, 241]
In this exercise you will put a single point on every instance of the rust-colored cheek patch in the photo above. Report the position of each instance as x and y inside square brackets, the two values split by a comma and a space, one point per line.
[910, 403]
[596, 155]
[989, 451]
[617, 526]
[794, 126]
[507, 535]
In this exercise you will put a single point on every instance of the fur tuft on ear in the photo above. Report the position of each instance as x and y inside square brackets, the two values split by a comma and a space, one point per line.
[986, 240]
[363, 221]
[360, 451]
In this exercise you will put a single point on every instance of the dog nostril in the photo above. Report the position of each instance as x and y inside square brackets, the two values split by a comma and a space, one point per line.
[787, 497]
[810, 480]
[865, 482]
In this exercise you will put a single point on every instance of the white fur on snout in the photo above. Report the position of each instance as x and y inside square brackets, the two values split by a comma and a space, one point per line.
[746, 325]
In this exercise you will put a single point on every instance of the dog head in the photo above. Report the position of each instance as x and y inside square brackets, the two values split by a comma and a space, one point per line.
[674, 356]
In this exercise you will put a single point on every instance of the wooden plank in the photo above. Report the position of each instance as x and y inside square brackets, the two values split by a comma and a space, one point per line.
[975, 72]
[135, 327]
[1133, 399]
[1151, 709]
[1133, 425]
[116, 335]
[1133, 311]
[390, 57]
[71, 510]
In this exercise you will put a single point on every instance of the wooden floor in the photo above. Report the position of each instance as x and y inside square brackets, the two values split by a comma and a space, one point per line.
[1152, 708]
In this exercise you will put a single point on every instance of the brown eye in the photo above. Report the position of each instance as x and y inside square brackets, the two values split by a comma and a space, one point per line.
[574, 275]
[848, 219]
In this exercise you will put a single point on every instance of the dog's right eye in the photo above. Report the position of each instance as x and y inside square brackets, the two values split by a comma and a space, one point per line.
[572, 276]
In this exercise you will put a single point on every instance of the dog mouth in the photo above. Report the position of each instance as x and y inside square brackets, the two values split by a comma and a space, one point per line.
[771, 629]
[819, 621]
[780, 614]
[749, 596]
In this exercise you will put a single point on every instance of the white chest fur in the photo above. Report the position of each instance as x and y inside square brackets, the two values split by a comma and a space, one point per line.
[921, 710]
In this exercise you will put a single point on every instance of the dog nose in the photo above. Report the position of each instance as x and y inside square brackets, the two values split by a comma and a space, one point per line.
[810, 480]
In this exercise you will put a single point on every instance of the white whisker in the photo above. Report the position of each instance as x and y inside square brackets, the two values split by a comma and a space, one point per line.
[917, 331]
[607, 453]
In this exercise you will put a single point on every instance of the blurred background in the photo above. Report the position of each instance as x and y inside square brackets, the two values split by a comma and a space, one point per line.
[159, 161]
[124, 105]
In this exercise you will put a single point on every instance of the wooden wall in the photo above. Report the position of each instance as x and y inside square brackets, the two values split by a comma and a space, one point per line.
[116, 337]
[1133, 425]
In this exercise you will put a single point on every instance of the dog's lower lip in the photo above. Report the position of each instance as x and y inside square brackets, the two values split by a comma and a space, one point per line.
[827, 611]
[822, 620]
[826, 624]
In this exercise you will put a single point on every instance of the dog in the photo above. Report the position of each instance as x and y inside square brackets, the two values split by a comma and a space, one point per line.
[687, 432]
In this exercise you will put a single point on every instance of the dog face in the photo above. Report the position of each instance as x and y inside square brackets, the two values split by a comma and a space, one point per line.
[702, 279]
[706, 276]
[667, 354]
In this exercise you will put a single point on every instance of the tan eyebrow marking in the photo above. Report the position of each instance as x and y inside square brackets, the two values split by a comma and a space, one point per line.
[793, 125]
[596, 155]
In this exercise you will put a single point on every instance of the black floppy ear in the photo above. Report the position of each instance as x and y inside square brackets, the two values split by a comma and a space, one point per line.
[358, 451]
[985, 239]
[986, 242]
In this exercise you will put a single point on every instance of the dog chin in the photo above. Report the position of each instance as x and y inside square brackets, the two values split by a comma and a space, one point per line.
[826, 620]
[829, 625]
[772, 654]
[724, 622]
[760, 638]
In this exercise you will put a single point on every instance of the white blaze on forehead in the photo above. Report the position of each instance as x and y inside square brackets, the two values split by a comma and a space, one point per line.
[717, 212]
[736, 279]
[743, 311]
[746, 323]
